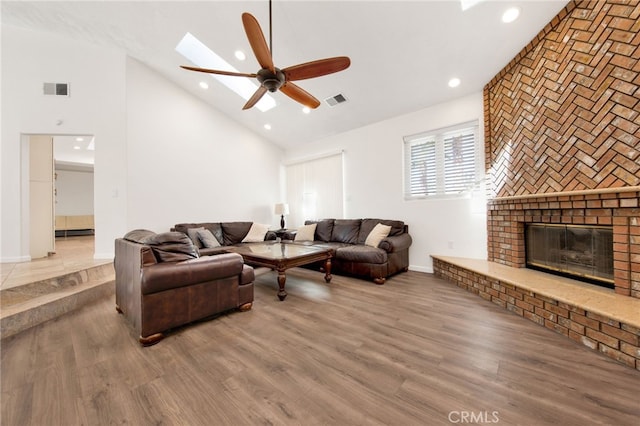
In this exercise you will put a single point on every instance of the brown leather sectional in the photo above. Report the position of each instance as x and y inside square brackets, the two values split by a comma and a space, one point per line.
[352, 257]
[346, 238]
[162, 283]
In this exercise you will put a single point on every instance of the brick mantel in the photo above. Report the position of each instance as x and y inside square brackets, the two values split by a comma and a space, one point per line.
[506, 219]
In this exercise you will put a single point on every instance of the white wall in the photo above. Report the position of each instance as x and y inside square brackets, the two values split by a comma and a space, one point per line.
[189, 163]
[96, 106]
[74, 193]
[373, 157]
[162, 156]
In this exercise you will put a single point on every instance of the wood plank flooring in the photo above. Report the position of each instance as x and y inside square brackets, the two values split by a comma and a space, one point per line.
[416, 351]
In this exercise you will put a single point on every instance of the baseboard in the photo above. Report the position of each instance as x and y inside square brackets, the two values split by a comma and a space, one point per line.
[15, 259]
[103, 256]
[424, 269]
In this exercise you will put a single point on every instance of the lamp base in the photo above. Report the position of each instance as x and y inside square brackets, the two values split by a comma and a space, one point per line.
[282, 222]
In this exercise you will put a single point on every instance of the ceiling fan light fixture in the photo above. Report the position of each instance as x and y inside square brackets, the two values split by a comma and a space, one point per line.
[202, 56]
[271, 79]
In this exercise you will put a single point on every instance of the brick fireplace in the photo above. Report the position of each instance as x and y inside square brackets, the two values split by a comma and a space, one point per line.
[506, 219]
[562, 146]
[561, 134]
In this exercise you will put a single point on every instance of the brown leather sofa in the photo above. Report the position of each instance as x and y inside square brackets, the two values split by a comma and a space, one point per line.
[350, 254]
[162, 283]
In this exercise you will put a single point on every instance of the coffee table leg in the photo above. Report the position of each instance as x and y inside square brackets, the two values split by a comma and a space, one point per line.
[327, 270]
[282, 278]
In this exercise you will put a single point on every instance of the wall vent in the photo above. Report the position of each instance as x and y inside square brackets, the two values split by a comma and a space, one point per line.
[56, 89]
[335, 100]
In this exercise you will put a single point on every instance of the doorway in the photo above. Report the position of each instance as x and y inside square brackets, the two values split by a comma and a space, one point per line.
[61, 188]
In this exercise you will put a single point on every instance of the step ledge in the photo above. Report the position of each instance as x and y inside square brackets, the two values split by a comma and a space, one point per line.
[22, 316]
[599, 300]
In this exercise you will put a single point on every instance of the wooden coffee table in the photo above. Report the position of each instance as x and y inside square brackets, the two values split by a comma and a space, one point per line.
[282, 256]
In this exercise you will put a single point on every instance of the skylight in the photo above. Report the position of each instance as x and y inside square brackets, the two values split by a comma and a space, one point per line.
[200, 55]
[468, 4]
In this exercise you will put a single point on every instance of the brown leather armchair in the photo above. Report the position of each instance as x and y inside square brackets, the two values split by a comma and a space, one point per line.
[162, 283]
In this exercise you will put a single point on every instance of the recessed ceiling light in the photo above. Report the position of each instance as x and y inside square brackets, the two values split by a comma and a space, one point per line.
[510, 15]
[240, 55]
[76, 147]
[267, 126]
[204, 85]
[306, 110]
[79, 139]
[454, 82]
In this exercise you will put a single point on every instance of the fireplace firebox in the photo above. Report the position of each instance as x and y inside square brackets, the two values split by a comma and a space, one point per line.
[581, 252]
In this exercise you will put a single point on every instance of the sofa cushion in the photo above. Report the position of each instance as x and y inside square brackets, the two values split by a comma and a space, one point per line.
[361, 254]
[346, 230]
[234, 232]
[214, 227]
[172, 246]
[138, 235]
[306, 232]
[193, 234]
[397, 228]
[256, 233]
[323, 229]
[377, 234]
[206, 238]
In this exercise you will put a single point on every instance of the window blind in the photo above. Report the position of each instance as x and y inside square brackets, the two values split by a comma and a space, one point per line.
[441, 163]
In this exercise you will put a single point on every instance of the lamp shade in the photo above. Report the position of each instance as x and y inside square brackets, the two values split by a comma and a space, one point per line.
[282, 208]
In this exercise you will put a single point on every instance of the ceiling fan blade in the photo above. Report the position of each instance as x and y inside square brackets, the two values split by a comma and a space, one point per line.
[207, 70]
[255, 98]
[257, 42]
[298, 94]
[316, 68]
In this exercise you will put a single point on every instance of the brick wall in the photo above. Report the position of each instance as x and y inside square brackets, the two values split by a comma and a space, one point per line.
[562, 128]
[564, 114]
[612, 338]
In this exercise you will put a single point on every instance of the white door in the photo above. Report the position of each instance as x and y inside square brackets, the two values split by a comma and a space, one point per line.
[41, 188]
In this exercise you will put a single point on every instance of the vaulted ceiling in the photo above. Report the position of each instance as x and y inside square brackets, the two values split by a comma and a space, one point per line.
[403, 53]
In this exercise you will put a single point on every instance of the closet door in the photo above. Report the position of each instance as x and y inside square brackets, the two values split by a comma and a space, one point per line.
[41, 189]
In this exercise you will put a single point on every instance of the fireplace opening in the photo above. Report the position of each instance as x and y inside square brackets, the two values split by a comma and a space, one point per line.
[582, 252]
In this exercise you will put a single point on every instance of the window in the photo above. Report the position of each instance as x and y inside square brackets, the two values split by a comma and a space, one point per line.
[441, 163]
[314, 189]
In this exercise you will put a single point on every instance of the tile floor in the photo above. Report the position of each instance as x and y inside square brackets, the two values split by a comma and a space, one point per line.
[72, 254]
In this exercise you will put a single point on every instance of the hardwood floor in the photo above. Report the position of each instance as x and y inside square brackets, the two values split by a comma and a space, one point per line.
[415, 351]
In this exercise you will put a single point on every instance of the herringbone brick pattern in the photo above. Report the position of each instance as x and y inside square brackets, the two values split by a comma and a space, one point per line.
[564, 115]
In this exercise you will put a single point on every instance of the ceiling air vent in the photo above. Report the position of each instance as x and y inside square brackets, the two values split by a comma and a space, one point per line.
[57, 89]
[335, 100]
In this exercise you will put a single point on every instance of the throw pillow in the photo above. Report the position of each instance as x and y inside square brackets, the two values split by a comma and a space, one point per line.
[377, 234]
[256, 233]
[172, 247]
[208, 240]
[306, 232]
[193, 234]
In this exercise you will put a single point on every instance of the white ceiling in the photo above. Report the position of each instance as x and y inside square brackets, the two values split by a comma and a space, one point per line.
[402, 53]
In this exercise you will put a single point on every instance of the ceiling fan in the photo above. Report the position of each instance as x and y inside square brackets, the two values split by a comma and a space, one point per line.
[273, 79]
